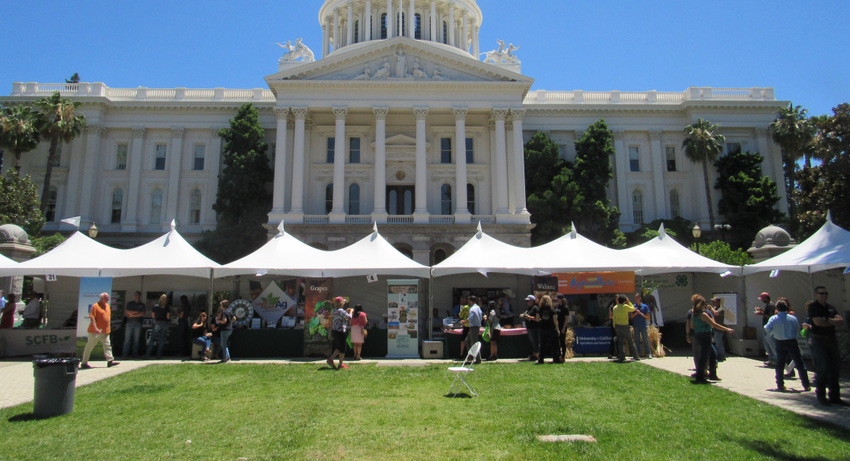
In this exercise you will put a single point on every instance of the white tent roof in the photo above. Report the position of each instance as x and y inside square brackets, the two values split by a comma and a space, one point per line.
[663, 255]
[170, 254]
[6, 262]
[483, 253]
[78, 256]
[574, 252]
[372, 255]
[828, 248]
[282, 255]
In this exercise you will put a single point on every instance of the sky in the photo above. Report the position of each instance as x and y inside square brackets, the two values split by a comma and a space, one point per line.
[799, 48]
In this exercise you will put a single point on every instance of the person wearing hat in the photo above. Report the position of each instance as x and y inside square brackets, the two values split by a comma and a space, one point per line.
[341, 319]
[766, 313]
[532, 325]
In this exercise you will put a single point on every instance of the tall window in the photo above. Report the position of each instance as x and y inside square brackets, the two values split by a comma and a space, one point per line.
[329, 198]
[399, 25]
[156, 206]
[733, 148]
[445, 150]
[470, 152]
[356, 31]
[637, 207]
[675, 209]
[195, 207]
[445, 33]
[159, 157]
[384, 25]
[671, 158]
[417, 34]
[634, 158]
[439, 255]
[354, 199]
[445, 199]
[50, 209]
[117, 204]
[354, 150]
[121, 157]
[198, 159]
[329, 157]
[470, 198]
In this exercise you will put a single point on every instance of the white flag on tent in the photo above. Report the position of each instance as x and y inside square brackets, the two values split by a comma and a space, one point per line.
[75, 221]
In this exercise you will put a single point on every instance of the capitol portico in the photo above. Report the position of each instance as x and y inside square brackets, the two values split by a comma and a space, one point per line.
[400, 123]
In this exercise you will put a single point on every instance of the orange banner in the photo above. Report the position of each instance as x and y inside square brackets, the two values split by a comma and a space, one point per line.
[585, 283]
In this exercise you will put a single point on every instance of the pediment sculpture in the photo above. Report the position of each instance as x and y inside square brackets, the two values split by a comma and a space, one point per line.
[505, 54]
[296, 52]
[402, 68]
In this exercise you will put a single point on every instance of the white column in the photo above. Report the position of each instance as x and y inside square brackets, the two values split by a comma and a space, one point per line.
[452, 41]
[772, 165]
[134, 172]
[464, 39]
[461, 209]
[336, 34]
[337, 214]
[390, 19]
[517, 180]
[420, 212]
[326, 38]
[379, 209]
[367, 21]
[215, 168]
[298, 159]
[349, 26]
[174, 168]
[501, 161]
[434, 21]
[621, 156]
[280, 184]
[658, 176]
[91, 163]
[411, 21]
[475, 46]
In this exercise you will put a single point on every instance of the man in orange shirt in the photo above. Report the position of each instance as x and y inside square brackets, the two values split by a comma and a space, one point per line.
[100, 316]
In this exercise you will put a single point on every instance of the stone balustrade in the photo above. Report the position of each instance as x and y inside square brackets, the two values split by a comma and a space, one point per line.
[99, 90]
[649, 97]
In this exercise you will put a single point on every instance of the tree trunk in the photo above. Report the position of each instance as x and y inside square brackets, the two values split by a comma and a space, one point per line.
[788, 165]
[48, 174]
[708, 195]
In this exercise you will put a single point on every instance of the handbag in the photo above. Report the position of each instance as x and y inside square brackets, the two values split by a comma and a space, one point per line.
[365, 333]
[486, 335]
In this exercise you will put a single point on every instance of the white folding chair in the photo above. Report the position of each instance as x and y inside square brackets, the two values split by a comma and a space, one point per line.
[461, 371]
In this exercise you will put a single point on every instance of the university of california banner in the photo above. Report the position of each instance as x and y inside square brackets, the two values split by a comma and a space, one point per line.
[402, 318]
[318, 307]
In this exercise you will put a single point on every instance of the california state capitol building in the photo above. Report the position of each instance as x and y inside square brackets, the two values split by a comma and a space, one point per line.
[399, 117]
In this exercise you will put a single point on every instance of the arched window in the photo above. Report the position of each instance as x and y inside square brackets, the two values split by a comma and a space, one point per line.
[439, 255]
[417, 34]
[356, 31]
[329, 198]
[156, 206]
[384, 25]
[470, 198]
[446, 199]
[195, 207]
[117, 205]
[637, 207]
[675, 209]
[354, 199]
[445, 33]
[50, 209]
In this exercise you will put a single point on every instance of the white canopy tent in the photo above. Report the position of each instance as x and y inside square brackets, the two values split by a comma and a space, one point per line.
[663, 255]
[828, 248]
[170, 254]
[574, 252]
[371, 255]
[483, 254]
[6, 263]
[78, 256]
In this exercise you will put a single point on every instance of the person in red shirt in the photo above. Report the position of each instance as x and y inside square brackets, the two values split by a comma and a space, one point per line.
[100, 316]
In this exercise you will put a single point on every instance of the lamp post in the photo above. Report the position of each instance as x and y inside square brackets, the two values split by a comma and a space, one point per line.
[722, 228]
[696, 232]
[93, 230]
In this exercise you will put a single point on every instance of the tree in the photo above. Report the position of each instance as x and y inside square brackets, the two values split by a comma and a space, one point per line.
[748, 199]
[59, 123]
[722, 252]
[703, 144]
[794, 134]
[243, 201]
[545, 197]
[594, 215]
[19, 131]
[19, 202]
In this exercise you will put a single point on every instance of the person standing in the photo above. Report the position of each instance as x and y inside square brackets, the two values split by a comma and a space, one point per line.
[8, 310]
[100, 316]
[506, 314]
[475, 320]
[562, 311]
[183, 328]
[134, 312]
[358, 330]
[720, 318]
[532, 325]
[224, 322]
[548, 330]
[640, 325]
[620, 315]
[703, 324]
[32, 312]
[463, 315]
[340, 321]
[784, 328]
[494, 320]
[162, 318]
[827, 356]
[766, 312]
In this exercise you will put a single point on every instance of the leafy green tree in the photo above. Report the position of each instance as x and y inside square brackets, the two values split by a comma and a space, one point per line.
[548, 180]
[748, 199]
[794, 133]
[60, 122]
[592, 212]
[19, 202]
[679, 229]
[243, 200]
[45, 243]
[703, 144]
[19, 131]
[722, 252]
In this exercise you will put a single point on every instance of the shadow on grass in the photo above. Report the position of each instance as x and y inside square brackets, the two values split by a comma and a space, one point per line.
[771, 451]
[23, 417]
[459, 395]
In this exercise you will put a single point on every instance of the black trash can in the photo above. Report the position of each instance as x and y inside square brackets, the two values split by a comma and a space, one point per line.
[55, 380]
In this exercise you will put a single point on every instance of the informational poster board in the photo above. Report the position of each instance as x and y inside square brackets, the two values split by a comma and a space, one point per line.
[729, 302]
[402, 318]
[318, 308]
[90, 290]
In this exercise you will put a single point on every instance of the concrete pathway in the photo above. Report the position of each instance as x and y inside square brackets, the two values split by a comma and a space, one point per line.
[742, 375]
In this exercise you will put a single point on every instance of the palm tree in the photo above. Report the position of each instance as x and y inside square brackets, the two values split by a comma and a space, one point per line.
[19, 131]
[703, 144]
[60, 123]
[794, 134]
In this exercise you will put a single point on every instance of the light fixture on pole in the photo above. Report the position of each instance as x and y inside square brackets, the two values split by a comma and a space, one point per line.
[722, 228]
[93, 230]
[696, 232]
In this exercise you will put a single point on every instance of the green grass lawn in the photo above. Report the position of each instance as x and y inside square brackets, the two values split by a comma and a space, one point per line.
[308, 411]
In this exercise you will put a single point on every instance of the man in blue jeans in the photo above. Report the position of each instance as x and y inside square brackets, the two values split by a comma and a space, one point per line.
[134, 312]
[162, 318]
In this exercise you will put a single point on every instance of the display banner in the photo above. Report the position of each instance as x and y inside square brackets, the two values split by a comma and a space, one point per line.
[592, 340]
[318, 306]
[19, 342]
[272, 303]
[585, 283]
[402, 318]
[90, 290]
[653, 300]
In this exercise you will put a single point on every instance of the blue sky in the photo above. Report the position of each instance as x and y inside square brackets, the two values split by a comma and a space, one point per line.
[800, 48]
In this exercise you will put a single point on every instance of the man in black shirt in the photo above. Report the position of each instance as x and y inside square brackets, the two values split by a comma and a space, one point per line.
[825, 348]
[548, 330]
[766, 313]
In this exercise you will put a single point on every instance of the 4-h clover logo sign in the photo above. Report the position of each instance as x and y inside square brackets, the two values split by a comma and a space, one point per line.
[681, 280]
